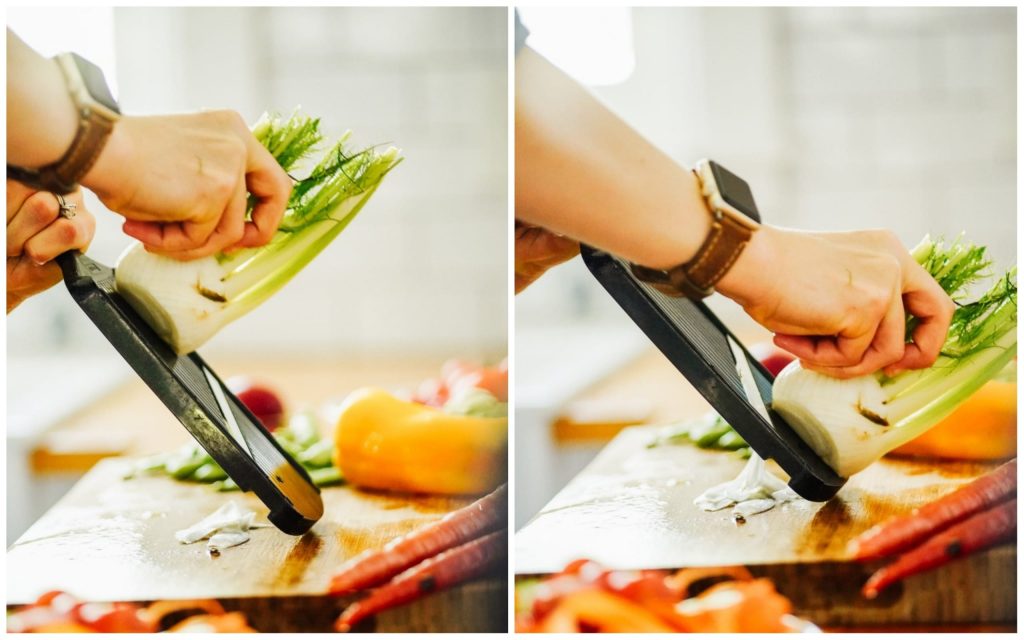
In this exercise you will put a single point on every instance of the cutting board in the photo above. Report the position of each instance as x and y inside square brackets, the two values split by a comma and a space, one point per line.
[111, 539]
[632, 508]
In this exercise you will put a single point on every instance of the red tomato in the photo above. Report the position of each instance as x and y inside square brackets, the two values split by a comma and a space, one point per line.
[771, 357]
[264, 402]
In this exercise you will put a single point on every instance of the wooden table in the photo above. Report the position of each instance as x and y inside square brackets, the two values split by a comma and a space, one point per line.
[113, 539]
[632, 507]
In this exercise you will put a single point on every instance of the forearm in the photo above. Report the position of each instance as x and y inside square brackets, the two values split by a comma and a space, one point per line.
[41, 118]
[583, 172]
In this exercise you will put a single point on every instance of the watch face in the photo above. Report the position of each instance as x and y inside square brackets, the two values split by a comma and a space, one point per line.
[95, 83]
[735, 191]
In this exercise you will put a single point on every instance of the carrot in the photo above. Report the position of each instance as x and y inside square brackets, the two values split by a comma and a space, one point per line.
[444, 570]
[907, 531]
[976, 533]
[376, 566]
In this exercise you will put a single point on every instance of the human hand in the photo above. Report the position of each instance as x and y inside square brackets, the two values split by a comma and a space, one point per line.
[36, 234]
[182, 182]
[838, 300]
[537, 250]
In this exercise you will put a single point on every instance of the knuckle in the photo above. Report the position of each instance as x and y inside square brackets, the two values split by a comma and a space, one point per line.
[878, 302]
[35, 252]
[42, 208]
[67, 233]
[217, 191]
[948, 309]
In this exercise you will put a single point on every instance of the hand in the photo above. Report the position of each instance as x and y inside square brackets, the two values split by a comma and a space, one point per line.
[537, 250]
[36, 234]
[182, 182]
[838, 300]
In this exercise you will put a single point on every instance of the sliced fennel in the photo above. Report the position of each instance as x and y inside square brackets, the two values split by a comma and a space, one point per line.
[852, 423]
[754, 491]
[186, 303]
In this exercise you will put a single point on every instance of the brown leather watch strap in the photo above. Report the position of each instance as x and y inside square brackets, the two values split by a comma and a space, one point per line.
[63, 175]
[696, 278]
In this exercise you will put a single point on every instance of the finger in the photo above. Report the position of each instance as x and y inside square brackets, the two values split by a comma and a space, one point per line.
[271, 187]
[17, 194]
[540, 246]
[887, 346]
[25, 279]
[925, 300]
[36, 213]
[229, 231]
[168, 237]
[827, 351]
[62, 235]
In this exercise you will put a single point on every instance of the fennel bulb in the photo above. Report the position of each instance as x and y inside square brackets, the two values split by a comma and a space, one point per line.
[186, 303]
[852, 423]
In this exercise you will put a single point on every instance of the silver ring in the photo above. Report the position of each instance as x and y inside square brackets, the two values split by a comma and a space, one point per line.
[67, 209]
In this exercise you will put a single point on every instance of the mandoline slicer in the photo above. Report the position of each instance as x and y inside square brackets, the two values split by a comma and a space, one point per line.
[228, 431]
[696, 342]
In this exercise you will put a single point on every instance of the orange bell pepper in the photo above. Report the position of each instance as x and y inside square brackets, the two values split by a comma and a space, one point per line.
[984, 427]
[382, 442]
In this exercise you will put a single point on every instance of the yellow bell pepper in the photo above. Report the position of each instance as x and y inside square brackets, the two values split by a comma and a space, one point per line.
[984, 427]
[382, 442]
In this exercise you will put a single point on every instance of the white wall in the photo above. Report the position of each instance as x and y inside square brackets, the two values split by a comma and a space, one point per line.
[839, 118]
[423, 269]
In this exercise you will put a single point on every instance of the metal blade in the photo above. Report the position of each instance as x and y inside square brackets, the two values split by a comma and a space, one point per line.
[747, 379]
[225, 408]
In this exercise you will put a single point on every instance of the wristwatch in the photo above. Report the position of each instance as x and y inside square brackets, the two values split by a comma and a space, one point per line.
[734, 219]
[97, 113]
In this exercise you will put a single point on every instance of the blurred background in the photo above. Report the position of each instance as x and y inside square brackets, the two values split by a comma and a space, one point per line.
[420, 276]
[838, 118]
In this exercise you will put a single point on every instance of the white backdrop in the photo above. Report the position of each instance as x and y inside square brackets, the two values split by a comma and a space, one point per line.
[839, 118]
[423, 269]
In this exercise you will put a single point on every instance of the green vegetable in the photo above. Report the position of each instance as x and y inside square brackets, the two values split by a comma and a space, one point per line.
[710, 431]
[226, 485]
[186, 461]
[300, 438]
[318, 455]
[326, 476]
[188, 302]
[852, 423]
[209, 472]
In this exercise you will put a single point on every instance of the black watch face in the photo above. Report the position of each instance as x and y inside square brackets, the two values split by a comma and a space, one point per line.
[95, 83]
[735, 191]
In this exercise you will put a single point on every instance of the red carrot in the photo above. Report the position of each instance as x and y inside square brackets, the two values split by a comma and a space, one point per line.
[376, 566]
[976, 533]
[444, 570]
[908, 531]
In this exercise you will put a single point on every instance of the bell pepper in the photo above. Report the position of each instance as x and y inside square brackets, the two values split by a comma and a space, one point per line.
[984, 427]
[382, 442]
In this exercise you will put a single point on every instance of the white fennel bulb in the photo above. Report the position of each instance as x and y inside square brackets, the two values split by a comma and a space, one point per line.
[187, 303]
[852, 423]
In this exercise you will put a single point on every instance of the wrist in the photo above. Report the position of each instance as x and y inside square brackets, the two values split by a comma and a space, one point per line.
[745, 281]
[109, 173]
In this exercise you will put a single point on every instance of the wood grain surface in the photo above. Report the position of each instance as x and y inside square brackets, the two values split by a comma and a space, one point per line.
[112, 539]
[632, 507]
